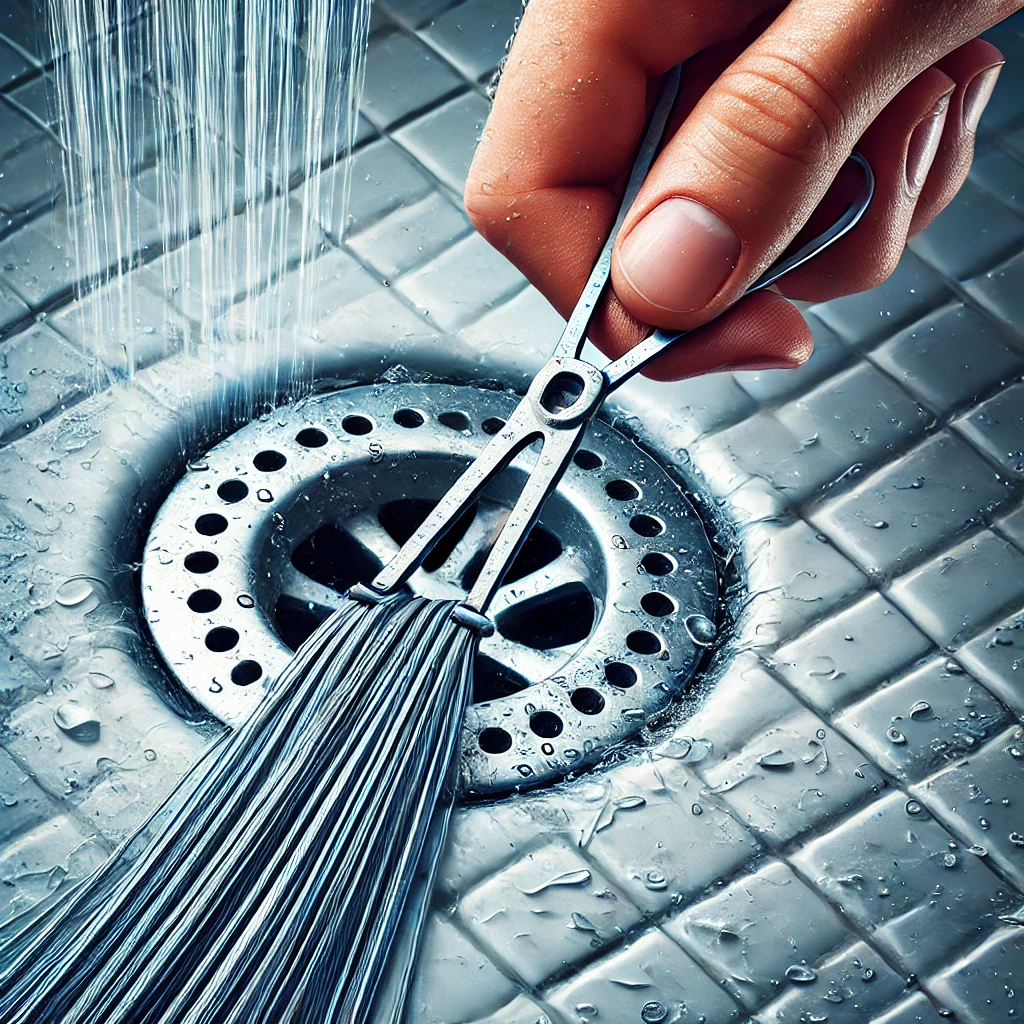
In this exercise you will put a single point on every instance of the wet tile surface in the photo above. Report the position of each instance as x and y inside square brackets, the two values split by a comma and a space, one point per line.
[802, 866]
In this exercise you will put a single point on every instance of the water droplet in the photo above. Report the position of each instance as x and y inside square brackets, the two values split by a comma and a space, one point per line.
[777, 760]
[921, 710]
[949, 860]
[984, 823]
[74, 591]
[653, 1013]
[630, 803]
[801, 974]
[1016, 838]
[100, 680]
[953, 668]
[912, 807]
[586, 1011]
[655, 880]
[579, 877]
[264, 495]
[880, 524]
[868, 975]
[246, 601]
[895, 736]
[701, 629]
[78, 722]
[149, 754]
[582, 923]
[525, 770]
[978, 850]
[547, 748]
[697, 809]
[833, 995]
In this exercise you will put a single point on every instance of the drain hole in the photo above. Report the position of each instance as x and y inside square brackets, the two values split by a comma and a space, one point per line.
[246, 672]
[587, 701]
[494, 741]
[356, 425]
[657, 564]
[545, 724]
[309, 437]
[409, 418]
[541, 549]
[587, 460]
[204, 601]
[642, 641]
[335, 558]
[492, 425]
[296, 622]
[646, 526]
[455, 421]
[211, 524]
[201, 561]
[232, 491]
[620, 675]
[558, 618]
[492, 680]
[657, 604]
[402, 518]
[622, 490]
[221, 638]
[269, 461]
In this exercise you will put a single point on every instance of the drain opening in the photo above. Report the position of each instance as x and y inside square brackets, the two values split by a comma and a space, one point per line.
[232, 491]
[567, 640]
[269, 461]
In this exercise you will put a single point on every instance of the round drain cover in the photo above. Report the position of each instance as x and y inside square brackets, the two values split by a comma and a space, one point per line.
[603, 616]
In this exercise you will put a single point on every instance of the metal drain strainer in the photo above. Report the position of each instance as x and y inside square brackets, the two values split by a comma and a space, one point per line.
[603, 616]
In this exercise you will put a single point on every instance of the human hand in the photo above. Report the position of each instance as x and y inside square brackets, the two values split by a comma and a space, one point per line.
[773, 99]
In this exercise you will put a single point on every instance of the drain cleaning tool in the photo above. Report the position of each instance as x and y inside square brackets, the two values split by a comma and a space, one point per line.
[290, 873]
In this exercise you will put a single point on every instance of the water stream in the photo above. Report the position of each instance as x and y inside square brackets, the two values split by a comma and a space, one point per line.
[194, 138]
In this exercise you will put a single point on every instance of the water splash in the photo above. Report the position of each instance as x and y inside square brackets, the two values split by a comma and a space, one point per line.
[194, 138]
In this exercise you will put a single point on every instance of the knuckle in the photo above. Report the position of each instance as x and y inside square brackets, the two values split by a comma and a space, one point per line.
[779, 107]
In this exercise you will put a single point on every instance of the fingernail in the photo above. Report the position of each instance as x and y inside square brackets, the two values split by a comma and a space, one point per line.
[679, 255]
[977, 94]
[924, 144]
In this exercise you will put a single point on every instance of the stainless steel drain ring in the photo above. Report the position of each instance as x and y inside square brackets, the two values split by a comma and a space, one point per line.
[604, 616]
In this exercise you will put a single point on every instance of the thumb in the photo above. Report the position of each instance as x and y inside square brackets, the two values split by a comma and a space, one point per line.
[757, 153]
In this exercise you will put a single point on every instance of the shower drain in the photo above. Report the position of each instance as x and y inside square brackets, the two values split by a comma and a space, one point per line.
[603, 616]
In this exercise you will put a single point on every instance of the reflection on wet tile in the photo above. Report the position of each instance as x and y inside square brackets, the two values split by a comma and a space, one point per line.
[975, 232]
[455, 982]
[997, 428]
[402, 77]
[867, 317]
[545, 913]
[756, 928]
[928, 719]
[850, 653]
[949, 359]
[844, 989]
[986, 985]
[792, 777]
[996, 657]
[981, 800]
[906, 881]
[444, 140]
[914, 505]
[917, 1009]
[473, 35]
[956, 593]
[673, 846]
[650, 979]
[39, 375]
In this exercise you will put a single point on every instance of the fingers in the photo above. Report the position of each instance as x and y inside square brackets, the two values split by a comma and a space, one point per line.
[975, 68]
[545, 182]
[758, 151]
[761, 332]
[900, 145]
